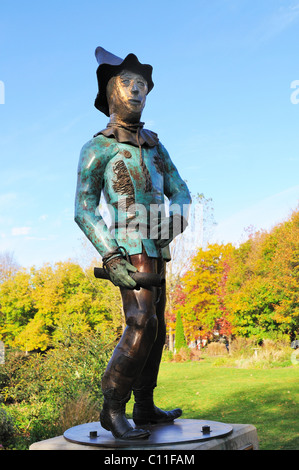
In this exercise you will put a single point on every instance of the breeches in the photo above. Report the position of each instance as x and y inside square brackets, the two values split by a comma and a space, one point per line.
[136, 359]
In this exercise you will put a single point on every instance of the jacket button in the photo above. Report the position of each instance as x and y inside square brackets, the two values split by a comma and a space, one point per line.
[127, 154]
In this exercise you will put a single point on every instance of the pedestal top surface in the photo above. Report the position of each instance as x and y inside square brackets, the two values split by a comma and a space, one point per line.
[177, 432]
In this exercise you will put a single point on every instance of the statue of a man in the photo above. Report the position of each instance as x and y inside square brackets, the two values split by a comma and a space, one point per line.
[133, 170]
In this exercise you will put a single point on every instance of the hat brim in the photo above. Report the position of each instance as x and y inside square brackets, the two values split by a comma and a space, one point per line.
[107, 71]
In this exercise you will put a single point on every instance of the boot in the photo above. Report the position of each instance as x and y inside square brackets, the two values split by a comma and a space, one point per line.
[113, 418]
[145, 411]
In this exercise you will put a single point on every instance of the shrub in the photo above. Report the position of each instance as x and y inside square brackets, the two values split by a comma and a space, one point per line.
[182, 355]
[7, 428]
[187, 354]
[242, 347]
[195, 354]
[245, 353]
[44, 388]
[82, 409]
[216, 349]
[58, 375]
[167, 355]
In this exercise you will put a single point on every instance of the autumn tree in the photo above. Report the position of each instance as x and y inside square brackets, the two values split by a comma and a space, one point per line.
[203, 307]
[263, 284]
[17, 306]
[223, 323]
[183, 249]
[40, 307]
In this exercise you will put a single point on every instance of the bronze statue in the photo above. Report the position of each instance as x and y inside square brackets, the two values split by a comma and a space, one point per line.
[134, 171]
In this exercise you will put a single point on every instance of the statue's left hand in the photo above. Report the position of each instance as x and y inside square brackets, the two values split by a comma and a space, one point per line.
[118, 271]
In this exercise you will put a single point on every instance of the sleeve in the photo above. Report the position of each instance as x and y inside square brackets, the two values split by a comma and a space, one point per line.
[175, 188]
[92, 163]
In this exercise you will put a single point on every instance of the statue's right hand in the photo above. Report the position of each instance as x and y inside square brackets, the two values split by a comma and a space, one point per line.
[118, 271]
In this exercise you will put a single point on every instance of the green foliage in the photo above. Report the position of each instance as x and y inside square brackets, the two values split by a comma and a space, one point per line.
[180, 341]
[39, 387]
[57, 375]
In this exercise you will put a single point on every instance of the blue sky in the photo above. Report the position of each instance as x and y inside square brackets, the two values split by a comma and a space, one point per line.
[221, 105]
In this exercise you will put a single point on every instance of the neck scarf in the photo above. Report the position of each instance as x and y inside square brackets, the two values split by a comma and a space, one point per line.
[133, 134]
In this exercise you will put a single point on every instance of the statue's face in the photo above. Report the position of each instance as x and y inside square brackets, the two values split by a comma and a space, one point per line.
[126, 95]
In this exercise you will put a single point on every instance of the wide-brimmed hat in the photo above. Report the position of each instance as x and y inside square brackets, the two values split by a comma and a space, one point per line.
[109, 66]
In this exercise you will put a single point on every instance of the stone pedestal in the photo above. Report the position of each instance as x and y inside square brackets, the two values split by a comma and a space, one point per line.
[234, 437]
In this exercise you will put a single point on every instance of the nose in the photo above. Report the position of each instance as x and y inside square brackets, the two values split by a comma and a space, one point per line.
[135, 89]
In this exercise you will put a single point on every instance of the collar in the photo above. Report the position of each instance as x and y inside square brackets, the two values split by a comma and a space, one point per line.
[130, 133]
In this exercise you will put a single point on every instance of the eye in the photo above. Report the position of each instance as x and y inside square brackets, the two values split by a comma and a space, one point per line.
[140, 83]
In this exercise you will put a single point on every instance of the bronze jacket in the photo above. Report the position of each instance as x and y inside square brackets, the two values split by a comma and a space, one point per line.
[134, 181]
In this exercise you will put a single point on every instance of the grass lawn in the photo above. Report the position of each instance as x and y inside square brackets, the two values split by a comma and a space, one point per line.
[265, 398]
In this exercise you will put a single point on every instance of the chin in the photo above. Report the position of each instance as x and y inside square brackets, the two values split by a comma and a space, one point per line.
[135, 113]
